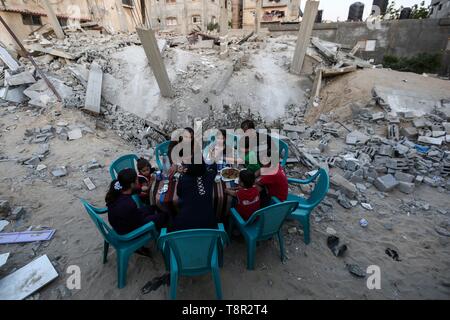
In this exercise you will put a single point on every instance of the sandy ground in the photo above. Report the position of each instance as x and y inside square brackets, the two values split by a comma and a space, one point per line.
[311, 272]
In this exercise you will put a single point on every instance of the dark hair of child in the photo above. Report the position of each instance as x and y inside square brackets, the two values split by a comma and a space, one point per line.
[248, 124]
[144, 163]
[247, 178]
[124, 180]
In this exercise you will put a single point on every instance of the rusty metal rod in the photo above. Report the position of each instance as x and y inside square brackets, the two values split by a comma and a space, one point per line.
[41, 73]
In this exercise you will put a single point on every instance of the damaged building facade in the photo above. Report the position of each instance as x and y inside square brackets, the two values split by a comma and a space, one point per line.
[114, 15]
[29, 16]
[272, 12]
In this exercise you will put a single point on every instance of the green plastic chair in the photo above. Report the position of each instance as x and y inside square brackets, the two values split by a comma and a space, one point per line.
[262, 225]
[306, 206]
[125, 245]
[284, 152]
[192, 253]
[161, 150]
[127, 161]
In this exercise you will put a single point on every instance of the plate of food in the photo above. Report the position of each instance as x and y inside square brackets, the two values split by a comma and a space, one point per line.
[229, 174]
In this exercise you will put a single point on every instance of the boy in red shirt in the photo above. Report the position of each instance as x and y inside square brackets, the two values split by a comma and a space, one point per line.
[272, 183]
[247, 195]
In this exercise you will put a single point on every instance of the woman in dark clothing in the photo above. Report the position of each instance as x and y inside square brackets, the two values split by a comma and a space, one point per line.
[123, 213]
[195, 191]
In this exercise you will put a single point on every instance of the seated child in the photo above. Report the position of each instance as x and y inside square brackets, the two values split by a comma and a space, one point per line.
[272, 182]
[247, 195]
[145, 179]
[123, 213]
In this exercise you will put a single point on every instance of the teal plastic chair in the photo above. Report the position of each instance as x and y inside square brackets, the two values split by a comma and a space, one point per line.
[306, 206]
[192, 253]
[125, 245]
[127, 161]
[262, 225]
[284, 152]
[161, 150]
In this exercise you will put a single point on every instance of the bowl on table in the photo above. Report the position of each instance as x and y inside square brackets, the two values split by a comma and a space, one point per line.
[229, 174]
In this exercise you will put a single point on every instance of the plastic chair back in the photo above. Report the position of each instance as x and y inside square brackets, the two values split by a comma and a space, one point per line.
[192, 249]
[124, 162]
[322, 183]
[269, 220]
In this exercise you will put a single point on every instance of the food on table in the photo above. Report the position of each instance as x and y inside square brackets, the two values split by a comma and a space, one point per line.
[230, 173]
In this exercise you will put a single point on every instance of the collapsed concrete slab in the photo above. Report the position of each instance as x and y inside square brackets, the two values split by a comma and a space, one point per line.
[94, 89]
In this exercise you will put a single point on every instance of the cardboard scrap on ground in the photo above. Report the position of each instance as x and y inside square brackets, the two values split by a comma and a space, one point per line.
[28, 279]
[26, 236]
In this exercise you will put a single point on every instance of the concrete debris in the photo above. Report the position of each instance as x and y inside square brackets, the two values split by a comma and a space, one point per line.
[356, 138]
[59, 172]
[18, 79]
[94, 89]
[386, 183]
[89, 184]
[75, 134]
[8, 59]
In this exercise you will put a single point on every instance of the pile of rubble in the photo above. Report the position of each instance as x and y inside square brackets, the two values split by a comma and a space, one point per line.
[412, 151]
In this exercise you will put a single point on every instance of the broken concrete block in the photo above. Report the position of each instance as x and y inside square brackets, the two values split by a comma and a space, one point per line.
[437, 134]
[420, 123]
[259, 77]
[19, 79]
[446, 126]
[89, 184]
[62, 124]
[41, 167]
[406, 187]
[430, 140]
[386, 183]
[401, 149]
[75, 134]
[377, 116]
[404, 177]
[8, 59]
[393, 132]
[299, 129]
[195, 89]
[344, 185]
[431, 182]
[344, 201]
[17, 213]
[94, 89]
[203, 44]
[59, 172]
[409, 132]
[386, 150]
[13, 94]
[34, 161]
[356, 137]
